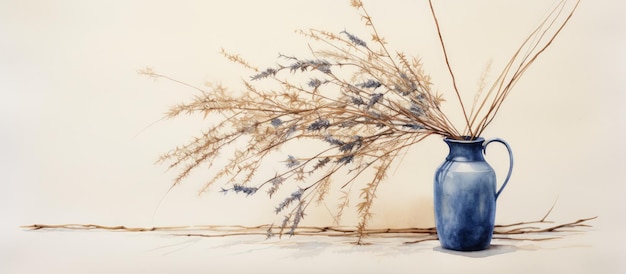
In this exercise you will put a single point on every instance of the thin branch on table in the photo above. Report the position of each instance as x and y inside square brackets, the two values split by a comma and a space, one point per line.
[526, 230]
[430, 233]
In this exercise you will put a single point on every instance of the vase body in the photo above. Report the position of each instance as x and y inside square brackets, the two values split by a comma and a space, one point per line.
[465, 195]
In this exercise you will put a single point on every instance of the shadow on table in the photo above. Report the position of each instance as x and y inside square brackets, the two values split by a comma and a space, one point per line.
[493, 250]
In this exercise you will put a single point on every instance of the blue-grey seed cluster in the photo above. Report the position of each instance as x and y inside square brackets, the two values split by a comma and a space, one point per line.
[295, 196]
[292, 162]
[374, 99]
[369, 84]
[356, 40]
[264, 74]
[241, 188]
[276, 122]
[319, 125]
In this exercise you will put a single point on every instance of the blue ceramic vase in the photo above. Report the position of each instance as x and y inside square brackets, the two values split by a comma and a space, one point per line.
[465, 195]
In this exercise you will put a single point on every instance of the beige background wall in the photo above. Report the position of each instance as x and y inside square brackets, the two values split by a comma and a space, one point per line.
[75, 147]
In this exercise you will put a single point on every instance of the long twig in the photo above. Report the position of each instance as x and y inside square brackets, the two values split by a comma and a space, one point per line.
[429, 233]
[445, 55]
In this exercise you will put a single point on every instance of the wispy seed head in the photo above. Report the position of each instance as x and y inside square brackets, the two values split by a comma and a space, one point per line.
[292, 162]
[276, 122]
[319, 125]
[356, 40]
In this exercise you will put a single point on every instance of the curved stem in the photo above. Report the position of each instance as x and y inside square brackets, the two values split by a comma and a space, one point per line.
[445, 55]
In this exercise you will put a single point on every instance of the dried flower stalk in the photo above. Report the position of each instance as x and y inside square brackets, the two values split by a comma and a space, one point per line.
[365, 103]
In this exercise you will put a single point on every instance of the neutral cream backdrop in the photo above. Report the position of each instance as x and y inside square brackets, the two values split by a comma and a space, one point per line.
[74, 112]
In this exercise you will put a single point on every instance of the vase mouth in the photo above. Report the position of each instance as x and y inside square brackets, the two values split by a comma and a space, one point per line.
[465, 140]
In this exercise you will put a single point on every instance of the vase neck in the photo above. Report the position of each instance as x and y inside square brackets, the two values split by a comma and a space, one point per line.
[465, 151]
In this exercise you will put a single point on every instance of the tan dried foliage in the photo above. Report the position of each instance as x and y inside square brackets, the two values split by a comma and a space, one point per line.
[365, 103]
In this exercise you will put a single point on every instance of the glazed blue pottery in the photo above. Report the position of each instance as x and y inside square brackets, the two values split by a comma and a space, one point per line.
[465, 195]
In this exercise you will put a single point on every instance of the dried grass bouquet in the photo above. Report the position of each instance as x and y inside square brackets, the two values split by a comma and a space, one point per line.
[366, 102]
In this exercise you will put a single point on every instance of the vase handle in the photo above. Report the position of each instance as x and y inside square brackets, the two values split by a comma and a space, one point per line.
[508, 148]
